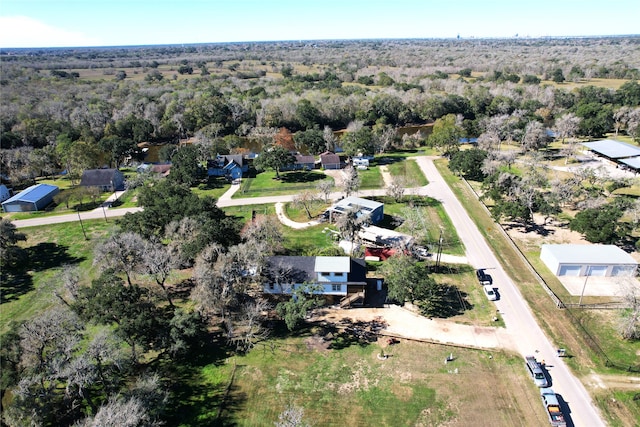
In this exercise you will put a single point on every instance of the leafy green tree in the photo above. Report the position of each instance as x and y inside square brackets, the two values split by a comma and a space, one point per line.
[409, 281]
[469, 163]
[274, 157]
[629, 94]
[600, 225]
[10, 252]
[185, 69]
[357, 142]
[294, 311]
[307, 115]
[118, 148]
[185, 166]
[446, 135]
[595, 119]
[109, 302]
[311, 139]
[120, 75]
[557, 75]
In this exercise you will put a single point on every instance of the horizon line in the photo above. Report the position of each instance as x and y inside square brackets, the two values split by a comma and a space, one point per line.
[471, 38]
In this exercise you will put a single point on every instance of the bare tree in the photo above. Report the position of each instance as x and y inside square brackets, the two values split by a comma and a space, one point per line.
[330, 139]
[351, 180]
[306, 199]
[121, 252]
[629, 322]
[158, 262]
[396, 188]
[246, 328]
[534, 137]
[292, 416]
[121, 413]
[567, 126]
[325, 187]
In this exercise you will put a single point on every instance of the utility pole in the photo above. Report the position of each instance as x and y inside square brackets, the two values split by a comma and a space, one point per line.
[82, 226]
[585, 284]
[438, 255]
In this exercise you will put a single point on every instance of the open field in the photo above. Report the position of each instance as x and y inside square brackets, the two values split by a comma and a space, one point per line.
[341, 382]
[266, 184]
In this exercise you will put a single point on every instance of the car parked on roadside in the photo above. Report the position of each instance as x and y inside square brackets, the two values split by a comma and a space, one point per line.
[489, 292]
[483, 277]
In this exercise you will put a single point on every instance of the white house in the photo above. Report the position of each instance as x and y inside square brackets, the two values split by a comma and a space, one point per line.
[332, 275]
[588, 260]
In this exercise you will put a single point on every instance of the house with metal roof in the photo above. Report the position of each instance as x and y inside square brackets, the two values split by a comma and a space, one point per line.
[104, 179]
[374, 209]
[336, 277]
[5, 193]
[35, 198]
[588, 260]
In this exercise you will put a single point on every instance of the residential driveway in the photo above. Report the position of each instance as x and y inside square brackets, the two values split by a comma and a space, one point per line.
[403, 323]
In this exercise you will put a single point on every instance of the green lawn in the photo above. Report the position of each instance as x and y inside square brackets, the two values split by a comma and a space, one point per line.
[370, 178]
[28, 288]
[409, 171]
[215, 187]
[266, 184]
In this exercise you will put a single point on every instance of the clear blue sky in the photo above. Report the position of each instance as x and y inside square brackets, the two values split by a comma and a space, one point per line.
[55, 23]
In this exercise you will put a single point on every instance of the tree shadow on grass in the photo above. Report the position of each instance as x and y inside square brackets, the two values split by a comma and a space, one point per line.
[17, 279]
[301, 176]
[197, 396]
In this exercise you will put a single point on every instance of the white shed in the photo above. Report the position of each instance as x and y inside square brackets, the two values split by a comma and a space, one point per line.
[588, 260]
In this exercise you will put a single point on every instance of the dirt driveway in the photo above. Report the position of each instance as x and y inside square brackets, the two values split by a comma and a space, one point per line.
[403, 323]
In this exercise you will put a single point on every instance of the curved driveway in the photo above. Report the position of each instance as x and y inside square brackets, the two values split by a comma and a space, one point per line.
[520, 322]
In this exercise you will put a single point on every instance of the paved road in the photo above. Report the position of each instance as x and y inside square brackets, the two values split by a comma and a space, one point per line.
[520, 322]
[518, 318]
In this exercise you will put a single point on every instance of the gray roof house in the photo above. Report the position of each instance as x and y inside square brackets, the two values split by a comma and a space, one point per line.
[104, 179]
[336, 276]
[365, 207]
[5, 193]
[330, 160]
[588, 260]
[34, 198]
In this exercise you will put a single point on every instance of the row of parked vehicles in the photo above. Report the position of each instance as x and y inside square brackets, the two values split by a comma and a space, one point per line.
[548, 396]
[486, 281]
[535, 369]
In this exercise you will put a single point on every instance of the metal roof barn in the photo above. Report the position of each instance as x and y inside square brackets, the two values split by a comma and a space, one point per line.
[34, 198]
[613, 149]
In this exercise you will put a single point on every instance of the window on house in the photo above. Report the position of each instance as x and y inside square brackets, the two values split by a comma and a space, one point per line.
[272, 286]
[336, 288]
[338, 274]
[324, 274]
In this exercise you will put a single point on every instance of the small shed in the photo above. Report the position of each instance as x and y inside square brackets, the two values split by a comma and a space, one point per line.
[34, 198]
[104, 179]
[588, 260]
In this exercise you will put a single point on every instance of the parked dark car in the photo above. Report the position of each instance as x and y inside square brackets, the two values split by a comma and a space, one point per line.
[484, 278]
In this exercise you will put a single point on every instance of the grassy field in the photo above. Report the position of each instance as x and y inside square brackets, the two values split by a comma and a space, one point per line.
[339, 381]
[28, 289]
[410, 172]
[266, 184]
[565, 327]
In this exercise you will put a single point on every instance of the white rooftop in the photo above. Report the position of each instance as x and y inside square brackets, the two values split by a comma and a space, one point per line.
[613, 149]
[336, 264]
[589, 254]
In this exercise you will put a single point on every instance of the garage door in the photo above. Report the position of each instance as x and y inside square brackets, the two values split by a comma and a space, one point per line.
[597, 270]
[569, 270]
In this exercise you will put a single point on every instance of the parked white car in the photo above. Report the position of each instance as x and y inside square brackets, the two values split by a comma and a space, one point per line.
[490, 292]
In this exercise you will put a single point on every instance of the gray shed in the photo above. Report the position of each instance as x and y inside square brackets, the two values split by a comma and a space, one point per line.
[34, 198]
[588, 260]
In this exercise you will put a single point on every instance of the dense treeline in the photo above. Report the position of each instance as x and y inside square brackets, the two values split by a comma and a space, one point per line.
[70, 118]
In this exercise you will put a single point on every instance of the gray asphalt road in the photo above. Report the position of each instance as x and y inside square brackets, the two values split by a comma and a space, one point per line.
[519, 320]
